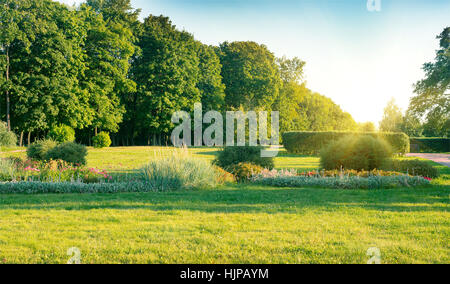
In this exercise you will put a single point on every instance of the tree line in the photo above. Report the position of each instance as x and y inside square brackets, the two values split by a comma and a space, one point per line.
[97, 67]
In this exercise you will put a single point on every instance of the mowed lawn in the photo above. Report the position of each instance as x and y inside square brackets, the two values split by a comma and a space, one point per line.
[231, 224]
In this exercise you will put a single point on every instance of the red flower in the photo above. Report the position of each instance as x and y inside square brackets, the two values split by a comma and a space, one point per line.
[427, 178]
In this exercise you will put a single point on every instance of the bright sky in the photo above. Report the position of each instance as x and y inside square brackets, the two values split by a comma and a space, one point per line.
[358, 58]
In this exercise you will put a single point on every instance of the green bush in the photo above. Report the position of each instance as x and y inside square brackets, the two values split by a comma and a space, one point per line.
[430, 145]
[180, 171]
[244, 171]
[62, 134]
[311, 143]
[7, 138]
[412, 167]
[70, 152]
[230, 156]
[7, 169]
[39, 149]
[356, 153]
[102, 140]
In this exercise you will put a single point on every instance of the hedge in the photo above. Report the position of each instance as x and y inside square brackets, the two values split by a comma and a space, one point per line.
[311, 143]
[430, 145]
[73, 187]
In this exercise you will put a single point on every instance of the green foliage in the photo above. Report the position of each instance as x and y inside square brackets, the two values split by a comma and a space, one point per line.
[367, 127]
[179, 171]
[347, 182]
[62, 133]
[392, 118]
[355, 153]
[102, 140]
[38, 150]
[230, 156]
[430, 145]
[70, 152]
[250, 74]
[413, 167]
[433, 97]
[311, 143]
[7, 169]
[7, 138]
[244, 171]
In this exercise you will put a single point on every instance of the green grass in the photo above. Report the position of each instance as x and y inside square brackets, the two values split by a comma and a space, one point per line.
[232, 224]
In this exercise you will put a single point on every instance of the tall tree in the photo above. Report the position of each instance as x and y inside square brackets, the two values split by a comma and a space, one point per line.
[12, 31]
[392, 118]
[210, 85]
[44, 85]
[433, 93]
[167, 73]
[250, 74]
[108, 47]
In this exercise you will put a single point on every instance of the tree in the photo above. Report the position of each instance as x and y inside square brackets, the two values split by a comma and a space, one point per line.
[291, 92]
[367, 127]
[11, 32]
[392, 118]
[167, 73]
[44, 86]
[108, 48]
[433, 93]
[210, 85]
[250, 75]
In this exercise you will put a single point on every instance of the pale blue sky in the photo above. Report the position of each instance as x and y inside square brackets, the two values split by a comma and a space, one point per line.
[358, 58]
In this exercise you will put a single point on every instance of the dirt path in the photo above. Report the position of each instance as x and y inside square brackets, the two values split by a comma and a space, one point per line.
[443, 159]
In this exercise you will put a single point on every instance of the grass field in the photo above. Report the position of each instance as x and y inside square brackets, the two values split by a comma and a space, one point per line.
[232, 224]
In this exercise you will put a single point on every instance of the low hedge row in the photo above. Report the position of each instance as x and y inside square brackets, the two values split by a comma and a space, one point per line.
[69, 187]
[430, 145]
[311, 143]
[349, 182]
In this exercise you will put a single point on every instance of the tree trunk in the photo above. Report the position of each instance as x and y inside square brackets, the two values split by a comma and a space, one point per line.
[96, 131]
[8, 115]
[29, 138]
[21, 139]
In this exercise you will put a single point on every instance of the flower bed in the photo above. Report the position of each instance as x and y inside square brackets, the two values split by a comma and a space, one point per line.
[340, 180]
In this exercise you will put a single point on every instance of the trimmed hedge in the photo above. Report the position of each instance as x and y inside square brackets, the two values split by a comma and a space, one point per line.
[311, 143]
[430, 145]
[230, 156]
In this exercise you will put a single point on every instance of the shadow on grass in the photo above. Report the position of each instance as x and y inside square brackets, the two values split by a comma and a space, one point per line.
[248, 200]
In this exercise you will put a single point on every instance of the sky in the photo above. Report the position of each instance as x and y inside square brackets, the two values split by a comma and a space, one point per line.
[359, 58]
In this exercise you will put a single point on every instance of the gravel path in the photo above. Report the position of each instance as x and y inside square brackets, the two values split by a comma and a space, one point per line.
[443, 159]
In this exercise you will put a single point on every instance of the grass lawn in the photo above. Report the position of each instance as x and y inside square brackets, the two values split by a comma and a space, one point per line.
[232, 224]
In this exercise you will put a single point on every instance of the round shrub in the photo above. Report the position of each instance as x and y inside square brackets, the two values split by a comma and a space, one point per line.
[7, 138]
[356, 153]
[243, 154]
[70, 152]
[244, 171]
[39, 149]
[102, 140]
[62, 133]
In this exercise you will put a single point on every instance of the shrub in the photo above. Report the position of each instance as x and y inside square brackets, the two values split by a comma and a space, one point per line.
[102, 140]
[355, 153]
[243, 154]
[7, 169]
[372, 182]
[412, 167]
[70, 152]
[430, 145]
[311, 143]
[244, 171]
[39, 149]
[62, 134]
[179, 171]
[223, 176]
[7, 138]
